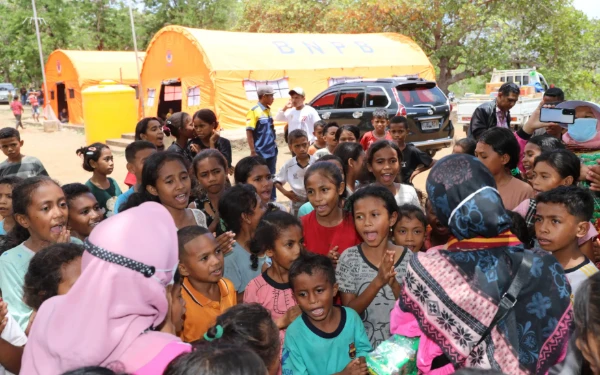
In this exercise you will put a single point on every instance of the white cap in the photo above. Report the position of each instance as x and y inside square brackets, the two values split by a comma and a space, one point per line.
[297, 90]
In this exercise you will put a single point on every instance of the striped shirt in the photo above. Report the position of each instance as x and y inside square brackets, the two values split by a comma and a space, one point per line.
[577, 275]
[28, 167]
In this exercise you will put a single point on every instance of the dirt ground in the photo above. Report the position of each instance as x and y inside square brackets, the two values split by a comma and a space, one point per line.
[57, 152]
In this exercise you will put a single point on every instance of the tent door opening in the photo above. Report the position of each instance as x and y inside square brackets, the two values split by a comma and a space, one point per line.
[61, 98]
[170, 98]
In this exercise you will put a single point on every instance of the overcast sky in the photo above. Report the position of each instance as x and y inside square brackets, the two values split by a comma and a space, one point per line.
[589, 7]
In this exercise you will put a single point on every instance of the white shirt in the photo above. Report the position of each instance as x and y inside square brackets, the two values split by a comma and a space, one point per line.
[13, 334]
[293, 174]
[406, 194]
[303, 119]
[322, 152]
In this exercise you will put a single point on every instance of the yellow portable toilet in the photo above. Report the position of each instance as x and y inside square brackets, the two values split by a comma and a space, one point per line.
[109, 110]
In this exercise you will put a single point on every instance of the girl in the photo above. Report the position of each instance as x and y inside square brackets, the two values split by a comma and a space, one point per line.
[208, 136]
[249, 326]
[347, 133]
[552, 169]
[383, 162]
[148, 129]
[437, 233]
[133, 265]
[353, 158]
[41, 213]
[534, 147]
[215, 359]
[6, 187]
[181, 127]
[210, 169]
[240, 210]
[465, 146]
[307, 207]
[328, 229]
[84, 211]
[254, 170]
[498, 150]
[410, 228]
[369, 275]
[98, 159]
[165, 180]
[587, 321]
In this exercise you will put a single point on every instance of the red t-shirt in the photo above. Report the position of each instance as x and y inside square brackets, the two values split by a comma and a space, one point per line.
[368, 139]
[16, 107]
[320, 239]
[33, 100]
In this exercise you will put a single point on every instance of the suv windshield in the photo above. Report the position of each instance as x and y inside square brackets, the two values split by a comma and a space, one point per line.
[411, 95]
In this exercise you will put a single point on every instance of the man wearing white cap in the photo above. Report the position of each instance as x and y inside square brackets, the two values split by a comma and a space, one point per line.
[298, 115]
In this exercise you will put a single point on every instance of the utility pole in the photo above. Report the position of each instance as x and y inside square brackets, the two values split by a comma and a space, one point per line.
[137, 62]
[48, 114]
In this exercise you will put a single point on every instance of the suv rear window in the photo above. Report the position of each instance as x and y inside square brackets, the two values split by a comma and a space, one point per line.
[417, 94]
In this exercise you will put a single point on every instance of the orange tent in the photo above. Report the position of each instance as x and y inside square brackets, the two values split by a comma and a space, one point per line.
[189, 69]
[69, 72]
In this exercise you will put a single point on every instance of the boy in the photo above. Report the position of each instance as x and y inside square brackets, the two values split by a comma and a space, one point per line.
[327, 339]
[136, 154]
[329, 131]
[562, 217]
[17, 164]
[380, 123]
[205, 292]
[319, 139]
[6, 187]
[414, 161]
[410, 228]
[35, 107]
[17, 109]
[293, 170]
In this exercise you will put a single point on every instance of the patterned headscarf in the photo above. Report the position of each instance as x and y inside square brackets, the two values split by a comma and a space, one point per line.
[464, 196]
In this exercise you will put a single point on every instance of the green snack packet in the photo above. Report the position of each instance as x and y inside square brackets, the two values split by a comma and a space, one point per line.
[395, 356]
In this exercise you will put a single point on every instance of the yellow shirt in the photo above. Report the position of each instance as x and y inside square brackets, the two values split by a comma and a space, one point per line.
[202, 312]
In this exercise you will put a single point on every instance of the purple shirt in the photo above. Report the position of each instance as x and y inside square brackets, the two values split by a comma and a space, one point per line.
[501, 118]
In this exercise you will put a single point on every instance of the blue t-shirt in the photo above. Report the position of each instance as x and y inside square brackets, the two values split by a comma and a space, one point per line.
[122, 199]
[238, 267]
[309, 351]
[2, 230]
[305, 209]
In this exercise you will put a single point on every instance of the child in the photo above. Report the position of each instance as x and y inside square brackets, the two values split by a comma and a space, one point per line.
[6, 187]
[319, 139]
[136, 154]
[534, 147]
[33, 101]
[498, 150]
[17, 110]
[414, 161]
[177, 303]
[240, 209]
[383, 162]
[329, 132]
[208, 136]
[328, 229]
[12, 339]
[18, 164]
[347, 133]
[249, 326]
[465, 146]
[180, 125]
[98, 159]
[327, 339]
[278, 236]
[84, 211]
[353, 158]
[380, 123]
[216, 359]
[254, 170]
[410, 227]
[437, 234]
[165, 179]
[519, 229]
[292, 172]
[307, 207]
[51, 272]
[587, 321]
[562, 217]
[210, 169]
[370, 274]
[150, 129]
[206, 292]
[41, 213]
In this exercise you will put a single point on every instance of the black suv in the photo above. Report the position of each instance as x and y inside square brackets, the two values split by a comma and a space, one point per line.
[422, 102]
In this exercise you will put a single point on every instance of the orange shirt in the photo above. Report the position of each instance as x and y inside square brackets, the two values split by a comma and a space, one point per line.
[202, 312]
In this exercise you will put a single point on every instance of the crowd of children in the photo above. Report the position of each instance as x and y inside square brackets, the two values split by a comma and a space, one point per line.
[188, 272]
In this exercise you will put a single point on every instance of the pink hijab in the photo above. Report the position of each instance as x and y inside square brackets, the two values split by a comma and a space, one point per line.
[105, 317]
[593, 143]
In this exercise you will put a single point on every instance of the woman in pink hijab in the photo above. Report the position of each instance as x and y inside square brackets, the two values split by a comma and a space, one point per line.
[109, 316]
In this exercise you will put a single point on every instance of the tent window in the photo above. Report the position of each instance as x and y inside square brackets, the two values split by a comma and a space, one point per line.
[52, 95]
[336, 80]
[280, 86]
[172, 93]
[71, 93]
[151, 94]
[193, 96]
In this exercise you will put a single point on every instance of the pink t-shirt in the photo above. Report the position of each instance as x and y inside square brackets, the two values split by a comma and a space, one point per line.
[16, 107]
[159, 363]
[33, 100]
